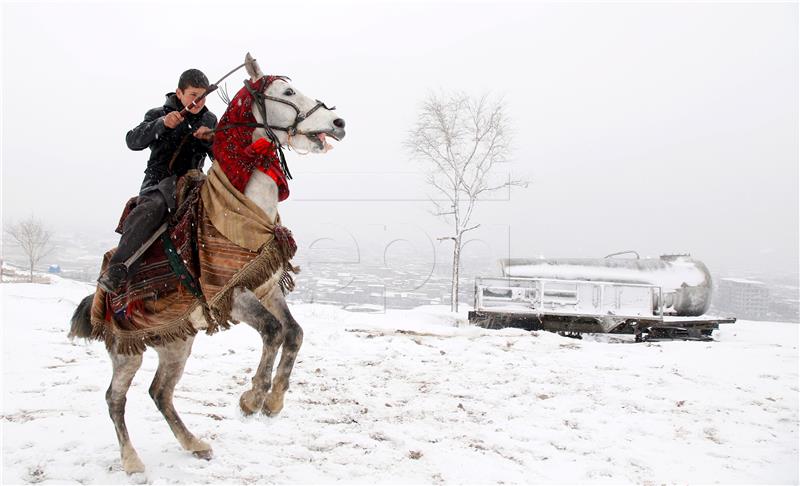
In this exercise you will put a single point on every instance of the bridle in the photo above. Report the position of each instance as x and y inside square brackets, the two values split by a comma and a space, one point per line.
[260, 100]
[299, 116]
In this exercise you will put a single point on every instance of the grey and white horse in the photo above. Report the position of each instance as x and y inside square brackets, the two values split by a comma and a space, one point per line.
[264, 309]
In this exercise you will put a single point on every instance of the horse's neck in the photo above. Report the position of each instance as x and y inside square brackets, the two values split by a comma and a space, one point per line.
[263, 191]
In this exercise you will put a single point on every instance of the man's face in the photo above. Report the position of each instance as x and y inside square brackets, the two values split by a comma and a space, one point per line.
[190, 94]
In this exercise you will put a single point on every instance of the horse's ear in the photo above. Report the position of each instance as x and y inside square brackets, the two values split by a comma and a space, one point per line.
[252, 68]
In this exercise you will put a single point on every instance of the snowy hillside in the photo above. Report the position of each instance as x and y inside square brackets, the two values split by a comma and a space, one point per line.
[408, 397]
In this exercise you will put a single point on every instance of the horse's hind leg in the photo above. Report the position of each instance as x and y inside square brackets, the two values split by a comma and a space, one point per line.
[125, 368]
[171, 362]
[292, 340]
[249, 309]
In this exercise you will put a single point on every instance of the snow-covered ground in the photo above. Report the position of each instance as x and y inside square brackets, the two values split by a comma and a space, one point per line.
[409, 397]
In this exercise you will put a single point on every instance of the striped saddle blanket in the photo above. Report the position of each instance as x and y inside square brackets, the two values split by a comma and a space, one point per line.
[171, 261]
[216, 241]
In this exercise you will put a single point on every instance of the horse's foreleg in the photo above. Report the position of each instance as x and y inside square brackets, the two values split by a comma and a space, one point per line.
[171, 362]
[248, 308]
[292, 340]
[125, 368]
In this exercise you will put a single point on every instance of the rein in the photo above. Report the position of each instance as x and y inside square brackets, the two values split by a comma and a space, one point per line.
[261, 100]
[262, 109]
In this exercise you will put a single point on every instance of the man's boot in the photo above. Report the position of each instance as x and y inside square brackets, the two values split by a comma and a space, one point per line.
[141, 223]
[112, 279]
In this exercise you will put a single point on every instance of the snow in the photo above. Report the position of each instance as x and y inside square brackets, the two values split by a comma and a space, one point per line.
[413, 396]
[671, 275]
[743, 281]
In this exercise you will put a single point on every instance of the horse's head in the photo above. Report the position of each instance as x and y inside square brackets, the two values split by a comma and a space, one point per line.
[297, 121]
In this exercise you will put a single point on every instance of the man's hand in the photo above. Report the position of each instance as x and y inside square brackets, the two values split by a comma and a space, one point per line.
[205, 134]
[173, 119]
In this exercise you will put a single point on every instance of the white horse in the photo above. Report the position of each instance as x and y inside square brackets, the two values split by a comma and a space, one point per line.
[268, 313]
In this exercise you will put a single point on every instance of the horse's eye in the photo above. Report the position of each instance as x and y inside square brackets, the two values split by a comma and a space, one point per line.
[288, 92]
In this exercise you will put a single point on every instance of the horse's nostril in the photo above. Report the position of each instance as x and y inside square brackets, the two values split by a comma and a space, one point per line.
[338, 123]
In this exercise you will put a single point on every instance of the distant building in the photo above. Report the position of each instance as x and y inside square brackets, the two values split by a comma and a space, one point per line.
[746, 299]
[54, 269]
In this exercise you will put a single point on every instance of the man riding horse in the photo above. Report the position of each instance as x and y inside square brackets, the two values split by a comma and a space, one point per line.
[177, 144]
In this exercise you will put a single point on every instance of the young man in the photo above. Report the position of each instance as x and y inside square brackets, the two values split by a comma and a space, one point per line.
[177, 144]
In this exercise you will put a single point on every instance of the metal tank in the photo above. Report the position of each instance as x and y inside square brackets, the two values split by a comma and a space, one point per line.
[685, 282]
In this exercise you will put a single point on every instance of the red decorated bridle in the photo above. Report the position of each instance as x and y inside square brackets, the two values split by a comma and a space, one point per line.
[291, 130]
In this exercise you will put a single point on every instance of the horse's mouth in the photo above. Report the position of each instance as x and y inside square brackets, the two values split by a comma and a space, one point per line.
[320, 139]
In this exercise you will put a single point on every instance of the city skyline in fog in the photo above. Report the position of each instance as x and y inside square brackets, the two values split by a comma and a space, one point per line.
[658, 127]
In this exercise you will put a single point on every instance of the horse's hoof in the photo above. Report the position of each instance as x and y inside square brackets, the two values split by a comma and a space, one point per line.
[133, 465]
[206, 454]
[247, 402]
[273, 405]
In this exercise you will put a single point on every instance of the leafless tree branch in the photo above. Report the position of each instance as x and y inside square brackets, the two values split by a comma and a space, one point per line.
[462, 140]
[33, 238]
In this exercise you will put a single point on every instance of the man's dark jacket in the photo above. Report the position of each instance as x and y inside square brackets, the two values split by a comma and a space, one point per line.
[163, 141]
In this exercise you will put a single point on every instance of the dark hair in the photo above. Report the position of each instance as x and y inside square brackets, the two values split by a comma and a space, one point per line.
[194, 78]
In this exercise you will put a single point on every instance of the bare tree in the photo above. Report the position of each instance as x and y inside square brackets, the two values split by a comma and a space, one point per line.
[34, 239]
[461, 139]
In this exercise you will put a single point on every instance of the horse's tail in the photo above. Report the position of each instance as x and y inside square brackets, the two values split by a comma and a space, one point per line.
[82, 320]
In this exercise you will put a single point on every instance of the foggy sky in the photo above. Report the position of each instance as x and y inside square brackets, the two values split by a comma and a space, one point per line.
[659, 127]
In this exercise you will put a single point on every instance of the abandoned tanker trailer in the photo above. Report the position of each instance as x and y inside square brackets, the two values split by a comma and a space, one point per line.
[664, 297]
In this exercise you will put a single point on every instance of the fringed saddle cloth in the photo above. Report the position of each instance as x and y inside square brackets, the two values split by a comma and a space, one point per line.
[217, 240]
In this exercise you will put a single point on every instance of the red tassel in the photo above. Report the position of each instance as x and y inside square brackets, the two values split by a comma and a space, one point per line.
[285, 239]
[135, 306]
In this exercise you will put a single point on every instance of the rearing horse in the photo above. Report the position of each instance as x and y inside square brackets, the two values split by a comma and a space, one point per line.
[290, 119]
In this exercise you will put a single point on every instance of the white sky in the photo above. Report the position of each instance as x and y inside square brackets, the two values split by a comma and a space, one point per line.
[661, 127]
